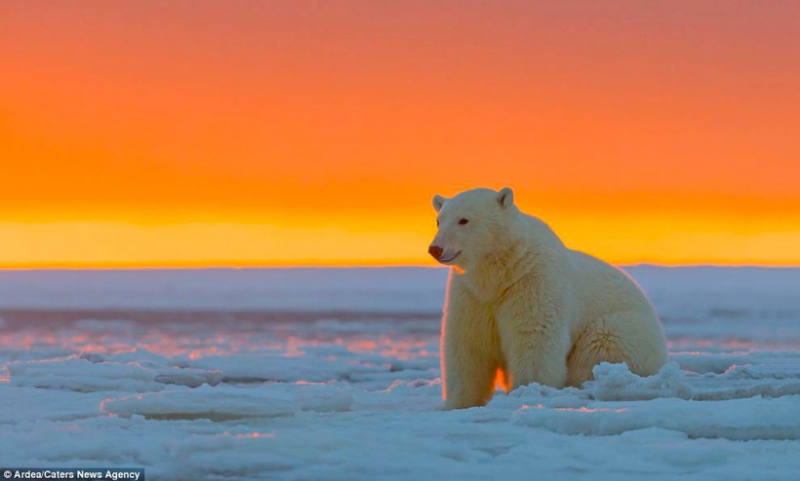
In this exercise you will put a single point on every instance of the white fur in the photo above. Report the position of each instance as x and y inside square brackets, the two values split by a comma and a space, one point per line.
[519, 303]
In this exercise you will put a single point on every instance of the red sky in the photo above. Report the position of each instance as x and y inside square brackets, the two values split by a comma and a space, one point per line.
[257, 133]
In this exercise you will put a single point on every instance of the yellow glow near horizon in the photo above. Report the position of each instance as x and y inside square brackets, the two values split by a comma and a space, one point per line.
[629, 239]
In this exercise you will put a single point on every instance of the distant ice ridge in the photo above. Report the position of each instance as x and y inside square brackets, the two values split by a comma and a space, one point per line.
[303, 289]
[679, 293]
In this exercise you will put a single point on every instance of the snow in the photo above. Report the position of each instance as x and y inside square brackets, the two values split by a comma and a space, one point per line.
[334, 374]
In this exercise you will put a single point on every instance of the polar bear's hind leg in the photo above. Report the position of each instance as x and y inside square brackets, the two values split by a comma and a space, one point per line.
[623, 337]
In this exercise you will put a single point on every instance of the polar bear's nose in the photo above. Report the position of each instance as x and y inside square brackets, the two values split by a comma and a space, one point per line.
[435, 251]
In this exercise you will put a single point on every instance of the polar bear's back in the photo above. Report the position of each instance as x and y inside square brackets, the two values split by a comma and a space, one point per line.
[602, 289]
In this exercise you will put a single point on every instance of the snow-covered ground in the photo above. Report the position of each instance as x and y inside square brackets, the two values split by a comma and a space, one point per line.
[334, 374]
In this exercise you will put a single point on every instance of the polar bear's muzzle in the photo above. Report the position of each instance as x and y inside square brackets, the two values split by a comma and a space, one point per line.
[444, 256]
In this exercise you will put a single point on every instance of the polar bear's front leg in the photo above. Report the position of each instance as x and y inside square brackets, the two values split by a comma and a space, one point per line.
[534, 341]
[470, 351]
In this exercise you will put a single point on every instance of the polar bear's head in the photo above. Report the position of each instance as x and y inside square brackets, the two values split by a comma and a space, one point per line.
[472, 225]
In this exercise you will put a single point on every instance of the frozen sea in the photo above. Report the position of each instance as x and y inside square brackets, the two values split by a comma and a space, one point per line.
[306, 374]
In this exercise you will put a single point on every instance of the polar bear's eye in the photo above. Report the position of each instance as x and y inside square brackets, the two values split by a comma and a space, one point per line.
[463, 221]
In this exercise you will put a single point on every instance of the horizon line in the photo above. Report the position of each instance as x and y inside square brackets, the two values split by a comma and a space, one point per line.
[343, 265]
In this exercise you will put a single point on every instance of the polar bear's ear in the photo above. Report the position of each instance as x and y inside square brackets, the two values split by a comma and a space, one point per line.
[505, 197]
[438, 202]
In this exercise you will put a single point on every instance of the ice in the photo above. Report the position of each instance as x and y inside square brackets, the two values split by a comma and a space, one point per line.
[334, 374]
[215, 404]
[231, 403]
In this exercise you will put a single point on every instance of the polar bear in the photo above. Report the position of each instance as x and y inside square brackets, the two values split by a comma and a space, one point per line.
[522, 306]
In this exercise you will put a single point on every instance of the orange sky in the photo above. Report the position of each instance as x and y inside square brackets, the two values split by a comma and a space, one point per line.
[240, 133]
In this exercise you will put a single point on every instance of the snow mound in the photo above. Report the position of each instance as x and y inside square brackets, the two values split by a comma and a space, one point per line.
[90, 374]
[614, 382]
